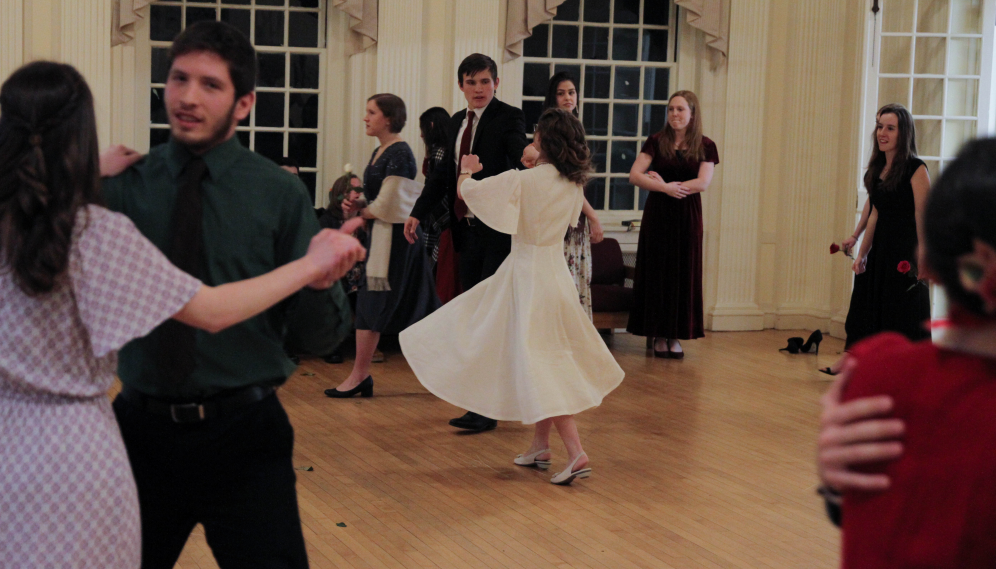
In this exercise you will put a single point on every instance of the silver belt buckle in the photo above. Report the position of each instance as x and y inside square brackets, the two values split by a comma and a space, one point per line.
[183, 407]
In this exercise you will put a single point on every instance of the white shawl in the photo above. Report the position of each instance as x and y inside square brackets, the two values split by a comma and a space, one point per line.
[394, 204]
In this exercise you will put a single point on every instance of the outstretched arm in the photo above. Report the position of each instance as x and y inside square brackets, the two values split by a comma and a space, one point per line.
[330, 255]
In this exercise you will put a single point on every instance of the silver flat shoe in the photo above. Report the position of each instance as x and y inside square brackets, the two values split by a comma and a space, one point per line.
[530, 460]
[569, 474]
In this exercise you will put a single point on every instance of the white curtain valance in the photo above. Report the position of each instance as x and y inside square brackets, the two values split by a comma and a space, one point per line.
[362, 23]
[522, 16]
[712, 17]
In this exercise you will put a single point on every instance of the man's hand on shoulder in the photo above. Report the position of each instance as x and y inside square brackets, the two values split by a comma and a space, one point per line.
[117, 159]
[853, 433]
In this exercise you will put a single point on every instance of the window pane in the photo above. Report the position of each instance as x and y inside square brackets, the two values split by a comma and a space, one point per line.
[301, 3]
[623, 154]
[596, 81]
[269, 27]
[269, 109]
[164, 22]
[596, 119]
[597, 148]
[643, 197]
[238, 18]
[569, 11]
[621, 194]
[303, 147]
[654, 117]
[655, 12]
[574, 70]
[624, 44]
[595, 44]
[624, 119]
[270, 2]
[271, 69]
[532, 110]
[309, 182]
[594, 192]
[157, 107]
[241, 2]
[158, 136]
[654, 45]
[596, 11]
[536, 44]
[270, 144]
[627, 83]
[656, 83]
[303, 30]
[200, 15]
[160, 64]
[628, 11]
[304, 71]
[565, 42]
[535, 77]
[304, 110]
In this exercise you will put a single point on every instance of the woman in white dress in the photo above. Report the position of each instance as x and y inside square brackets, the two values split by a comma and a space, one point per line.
[519, 346]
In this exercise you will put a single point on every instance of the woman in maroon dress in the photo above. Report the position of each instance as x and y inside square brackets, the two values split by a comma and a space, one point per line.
[675, 166]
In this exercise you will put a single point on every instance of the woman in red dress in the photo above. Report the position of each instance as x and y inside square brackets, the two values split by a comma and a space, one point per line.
[939, 510]
[675, 166]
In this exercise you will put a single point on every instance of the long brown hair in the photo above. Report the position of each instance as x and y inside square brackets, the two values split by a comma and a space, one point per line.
[905, 149]
[48, 170]
[562, 141]
[693, 133]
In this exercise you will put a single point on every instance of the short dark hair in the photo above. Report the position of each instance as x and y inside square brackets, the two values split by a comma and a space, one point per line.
[474, 64]
[393, 109]
[961, 208]
[225, 41]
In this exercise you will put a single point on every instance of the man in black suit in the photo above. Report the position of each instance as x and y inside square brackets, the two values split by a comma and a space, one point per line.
[496, 133]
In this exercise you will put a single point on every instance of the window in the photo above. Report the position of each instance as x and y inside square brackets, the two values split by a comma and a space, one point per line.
[623, 54]
[289, 37]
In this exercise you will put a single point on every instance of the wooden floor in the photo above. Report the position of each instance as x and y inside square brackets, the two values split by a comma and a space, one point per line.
[704, 462]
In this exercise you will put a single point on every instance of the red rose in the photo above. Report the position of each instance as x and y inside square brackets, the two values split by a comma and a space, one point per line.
[834, 248]
[904, 267]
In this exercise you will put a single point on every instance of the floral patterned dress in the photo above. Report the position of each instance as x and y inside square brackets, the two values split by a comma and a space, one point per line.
[577, 250]
[67, 495]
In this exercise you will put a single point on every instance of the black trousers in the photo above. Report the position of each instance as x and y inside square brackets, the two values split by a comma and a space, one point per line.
[232, 473]
[482, 250]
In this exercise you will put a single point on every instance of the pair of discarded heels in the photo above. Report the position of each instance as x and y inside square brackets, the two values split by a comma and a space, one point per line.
[562, 479]
[797, 346]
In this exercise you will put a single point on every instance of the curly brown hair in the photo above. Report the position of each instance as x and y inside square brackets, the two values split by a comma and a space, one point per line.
[561, 138]
[48, 170]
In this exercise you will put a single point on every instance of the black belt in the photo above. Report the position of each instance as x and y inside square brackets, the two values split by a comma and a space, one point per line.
[195, 412]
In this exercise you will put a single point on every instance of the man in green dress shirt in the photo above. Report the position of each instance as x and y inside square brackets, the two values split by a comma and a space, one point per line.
[213, 445]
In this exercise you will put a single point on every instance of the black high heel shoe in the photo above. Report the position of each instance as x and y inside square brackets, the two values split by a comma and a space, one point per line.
[814, 339]
[365, 389]
[793, 346]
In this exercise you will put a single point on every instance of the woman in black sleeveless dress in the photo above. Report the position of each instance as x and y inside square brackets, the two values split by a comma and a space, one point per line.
[885, 298]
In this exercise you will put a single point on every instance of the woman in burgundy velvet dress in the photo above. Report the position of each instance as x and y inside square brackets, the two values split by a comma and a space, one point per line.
[675, 166]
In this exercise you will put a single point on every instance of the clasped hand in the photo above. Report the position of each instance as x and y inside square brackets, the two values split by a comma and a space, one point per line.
[334, 253]
[674, 189]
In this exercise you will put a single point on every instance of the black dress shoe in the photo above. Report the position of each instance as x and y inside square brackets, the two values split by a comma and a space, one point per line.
[474, 423]
[365, 389]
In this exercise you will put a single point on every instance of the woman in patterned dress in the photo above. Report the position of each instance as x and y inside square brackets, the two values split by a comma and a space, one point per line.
[77, 283]
[562, 93]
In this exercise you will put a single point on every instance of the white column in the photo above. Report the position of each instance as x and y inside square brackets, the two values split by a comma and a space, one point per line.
[736, 305]
[806, 223]
[11, 36]
[399, 61]
[84, 42]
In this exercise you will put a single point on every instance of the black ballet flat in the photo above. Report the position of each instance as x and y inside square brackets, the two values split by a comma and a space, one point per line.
[814, 340]
[828, 371]
[794, 344]
[365, 389]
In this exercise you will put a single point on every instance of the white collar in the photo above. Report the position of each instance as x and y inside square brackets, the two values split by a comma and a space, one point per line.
[478, 113]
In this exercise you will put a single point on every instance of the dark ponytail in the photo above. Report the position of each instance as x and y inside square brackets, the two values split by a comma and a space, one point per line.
[48, 170]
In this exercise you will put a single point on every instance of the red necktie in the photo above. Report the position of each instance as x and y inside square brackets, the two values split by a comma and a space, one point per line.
[459, 207]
